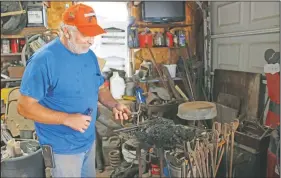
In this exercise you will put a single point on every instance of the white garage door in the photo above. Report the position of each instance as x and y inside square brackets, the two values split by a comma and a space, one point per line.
[241, 32]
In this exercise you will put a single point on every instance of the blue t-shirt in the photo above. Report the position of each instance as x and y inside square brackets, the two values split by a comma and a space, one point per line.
[63, 81]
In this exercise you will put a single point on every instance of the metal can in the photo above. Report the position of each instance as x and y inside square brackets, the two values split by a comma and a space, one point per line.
[15, 45]
[21, 45]
[5, 46]
[182, 38]
[175, 39]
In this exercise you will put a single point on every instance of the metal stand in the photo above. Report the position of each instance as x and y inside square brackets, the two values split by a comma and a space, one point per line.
[138, 151]
[161, 156]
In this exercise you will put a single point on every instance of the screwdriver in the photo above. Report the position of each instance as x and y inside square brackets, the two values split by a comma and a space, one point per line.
[88, 112]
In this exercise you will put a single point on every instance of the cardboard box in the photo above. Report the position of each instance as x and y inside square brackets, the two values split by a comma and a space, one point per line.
[16, 71]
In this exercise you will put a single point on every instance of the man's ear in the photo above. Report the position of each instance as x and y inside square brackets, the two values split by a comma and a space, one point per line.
[66, 33]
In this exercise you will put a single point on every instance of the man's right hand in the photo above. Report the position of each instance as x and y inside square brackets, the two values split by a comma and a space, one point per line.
[77, 122]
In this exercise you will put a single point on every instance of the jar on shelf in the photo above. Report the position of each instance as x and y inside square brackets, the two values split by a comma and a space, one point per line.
[182, 41]
[5, 46]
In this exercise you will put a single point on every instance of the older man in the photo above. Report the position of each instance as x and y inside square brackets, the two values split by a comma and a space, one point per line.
[62, 81]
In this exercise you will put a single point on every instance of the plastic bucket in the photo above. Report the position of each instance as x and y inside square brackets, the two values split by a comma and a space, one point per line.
[172, 69]
[31, 165]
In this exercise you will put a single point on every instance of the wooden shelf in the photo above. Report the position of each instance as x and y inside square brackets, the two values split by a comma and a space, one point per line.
[161, 25]
[157, 80]
[25, 32]
[11, 36]
[11, 80]
[165, 47]
[10, 54]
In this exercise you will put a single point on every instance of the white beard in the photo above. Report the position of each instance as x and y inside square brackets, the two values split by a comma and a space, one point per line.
[75, 48]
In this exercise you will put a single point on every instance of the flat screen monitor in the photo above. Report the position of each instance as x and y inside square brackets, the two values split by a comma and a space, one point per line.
[163, 11]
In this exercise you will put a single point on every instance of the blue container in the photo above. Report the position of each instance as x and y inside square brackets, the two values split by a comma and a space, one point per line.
[139, 95]
[166, 172]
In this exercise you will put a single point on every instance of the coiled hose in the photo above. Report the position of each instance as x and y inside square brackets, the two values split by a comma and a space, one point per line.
[47, 36]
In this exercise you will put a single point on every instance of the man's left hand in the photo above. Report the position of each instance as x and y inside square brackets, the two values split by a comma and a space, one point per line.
[121, 111]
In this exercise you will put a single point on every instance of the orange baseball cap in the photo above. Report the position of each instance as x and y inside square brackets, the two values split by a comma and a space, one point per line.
[84, 18]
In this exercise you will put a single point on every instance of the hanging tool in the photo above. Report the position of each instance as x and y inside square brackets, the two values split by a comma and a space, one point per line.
[203, 163]
[226, 139]
[216, 137]
[219, 161]
[186, 85]
[185, 74]
[211, 149]
[234, 127]
[193, 154]
[206, 154]
[187, 157]
[157, 69]
[171, 83]
[181, 93]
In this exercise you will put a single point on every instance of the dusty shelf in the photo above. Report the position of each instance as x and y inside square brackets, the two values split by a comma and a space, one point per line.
[10, 54]
[157, 80]
[11, 80]
[164, 47]
[161, 25]
[25, 32]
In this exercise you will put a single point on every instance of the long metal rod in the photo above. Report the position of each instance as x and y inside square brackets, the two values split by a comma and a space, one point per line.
[158, 70]
[138, 152]
[161, 155]
[188, 159]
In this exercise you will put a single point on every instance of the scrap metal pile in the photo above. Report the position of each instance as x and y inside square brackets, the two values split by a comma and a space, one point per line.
[196, 152]
[164, 134]
[160, 133]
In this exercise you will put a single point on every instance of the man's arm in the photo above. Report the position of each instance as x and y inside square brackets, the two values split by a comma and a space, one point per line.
[106, 98]
[120, 111]
[29, 108]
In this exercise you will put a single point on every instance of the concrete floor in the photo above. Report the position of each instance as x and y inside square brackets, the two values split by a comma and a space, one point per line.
[104, 174]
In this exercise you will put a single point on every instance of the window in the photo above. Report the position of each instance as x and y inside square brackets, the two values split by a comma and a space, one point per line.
[111, 11]
[112, 15]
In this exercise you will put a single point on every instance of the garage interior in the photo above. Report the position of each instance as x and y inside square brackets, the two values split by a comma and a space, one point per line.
[202, 80]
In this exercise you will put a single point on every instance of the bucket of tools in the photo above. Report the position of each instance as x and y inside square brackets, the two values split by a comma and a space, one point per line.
[29, 164]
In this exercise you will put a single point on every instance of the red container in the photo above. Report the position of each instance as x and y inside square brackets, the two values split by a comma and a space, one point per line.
[145, 40]
[15, 45]
[169, 39]
[21, 45]
[273, 86]
[271, 165]
[155, 170]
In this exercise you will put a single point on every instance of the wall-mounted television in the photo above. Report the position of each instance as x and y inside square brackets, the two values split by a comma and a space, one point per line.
[163, 11]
